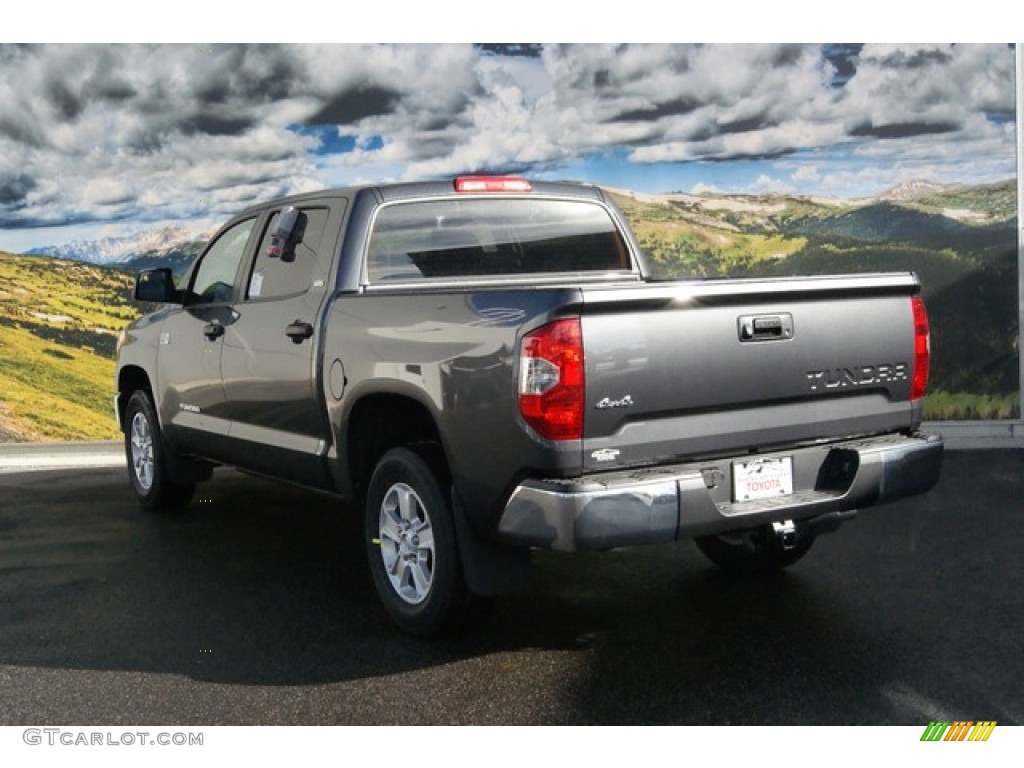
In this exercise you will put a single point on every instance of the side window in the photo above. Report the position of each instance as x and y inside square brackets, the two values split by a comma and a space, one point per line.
[215, 278]
[291, 272]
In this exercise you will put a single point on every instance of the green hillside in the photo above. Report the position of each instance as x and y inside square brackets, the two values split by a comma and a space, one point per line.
[992, 202]
[58, 329]
[881, 222]
[962, 243]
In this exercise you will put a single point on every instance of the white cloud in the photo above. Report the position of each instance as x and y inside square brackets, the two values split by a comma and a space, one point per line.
[107, 191]
[766, 183]
[705, 189]
[96, 133]
[806, 173]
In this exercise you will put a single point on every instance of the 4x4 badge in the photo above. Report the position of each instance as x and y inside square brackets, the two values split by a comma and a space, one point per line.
[623, 402]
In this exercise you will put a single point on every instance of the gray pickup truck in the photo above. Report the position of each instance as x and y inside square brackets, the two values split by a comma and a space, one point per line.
[486, 367]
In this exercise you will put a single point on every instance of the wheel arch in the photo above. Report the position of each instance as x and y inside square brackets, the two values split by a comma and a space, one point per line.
[181, 469]
[379, 422]
[130, 379]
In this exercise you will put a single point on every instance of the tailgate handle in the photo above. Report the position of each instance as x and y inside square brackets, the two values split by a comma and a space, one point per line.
[777, 327]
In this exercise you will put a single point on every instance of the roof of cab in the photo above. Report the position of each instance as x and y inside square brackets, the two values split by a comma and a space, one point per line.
[416, 189]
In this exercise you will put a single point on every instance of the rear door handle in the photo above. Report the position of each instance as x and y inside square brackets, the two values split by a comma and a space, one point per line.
[213, 330]
[299, 331]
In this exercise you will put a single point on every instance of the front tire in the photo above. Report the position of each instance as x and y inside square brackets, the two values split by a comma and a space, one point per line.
[411, 542]
[147, 458]
[753, 551]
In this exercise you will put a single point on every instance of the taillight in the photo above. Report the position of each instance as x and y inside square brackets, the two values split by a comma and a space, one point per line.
[551, 380]
[492, 184]
[922, 349]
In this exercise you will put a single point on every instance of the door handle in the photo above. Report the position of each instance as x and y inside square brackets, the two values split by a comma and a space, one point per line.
[299, 331]
[213, 330]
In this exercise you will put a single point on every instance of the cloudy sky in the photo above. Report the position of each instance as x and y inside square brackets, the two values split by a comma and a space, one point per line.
[106, 140]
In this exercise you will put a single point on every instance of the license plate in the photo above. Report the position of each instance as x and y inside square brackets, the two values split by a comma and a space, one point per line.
[762, 478]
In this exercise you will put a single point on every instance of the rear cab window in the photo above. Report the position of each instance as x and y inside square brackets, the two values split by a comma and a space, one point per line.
[451, 239]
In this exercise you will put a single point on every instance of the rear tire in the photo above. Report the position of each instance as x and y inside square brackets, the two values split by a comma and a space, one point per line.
[411, 544]
[147, 458]
[753, 551]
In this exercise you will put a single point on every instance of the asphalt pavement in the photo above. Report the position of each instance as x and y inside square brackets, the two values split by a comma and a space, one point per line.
[254, 607]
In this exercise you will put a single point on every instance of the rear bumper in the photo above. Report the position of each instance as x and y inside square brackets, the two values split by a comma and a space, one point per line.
[685, 500]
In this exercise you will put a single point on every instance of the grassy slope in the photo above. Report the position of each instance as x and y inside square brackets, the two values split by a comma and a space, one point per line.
[58, 322]
[997, 201]
[692, 241]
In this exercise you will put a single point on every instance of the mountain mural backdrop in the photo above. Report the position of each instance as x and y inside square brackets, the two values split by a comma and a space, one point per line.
[61, 307]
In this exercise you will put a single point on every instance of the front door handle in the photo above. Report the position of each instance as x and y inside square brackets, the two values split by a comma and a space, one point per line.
[213, 330]
[299, 331]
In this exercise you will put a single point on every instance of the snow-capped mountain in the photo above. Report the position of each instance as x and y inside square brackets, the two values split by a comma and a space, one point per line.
[121, 250]
[913, 190]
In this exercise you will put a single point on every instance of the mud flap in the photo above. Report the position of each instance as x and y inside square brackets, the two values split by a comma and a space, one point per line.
[490, 568]
[184, 471]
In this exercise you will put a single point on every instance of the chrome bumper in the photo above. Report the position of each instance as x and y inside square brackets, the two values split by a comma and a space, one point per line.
[660, 504]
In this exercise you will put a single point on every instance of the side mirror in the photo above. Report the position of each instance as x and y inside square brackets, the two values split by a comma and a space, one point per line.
[157, 285]
[282, 231]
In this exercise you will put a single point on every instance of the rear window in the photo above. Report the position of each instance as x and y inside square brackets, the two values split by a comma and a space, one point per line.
[449, 239]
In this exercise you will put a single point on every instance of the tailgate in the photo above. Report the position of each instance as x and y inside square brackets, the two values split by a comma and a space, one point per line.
[683, 370]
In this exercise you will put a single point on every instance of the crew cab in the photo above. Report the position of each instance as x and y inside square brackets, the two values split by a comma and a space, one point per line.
[485, 366]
